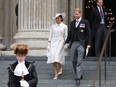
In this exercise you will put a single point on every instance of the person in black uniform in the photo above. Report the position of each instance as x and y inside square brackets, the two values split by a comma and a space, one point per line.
[22, 73]
[98, 22]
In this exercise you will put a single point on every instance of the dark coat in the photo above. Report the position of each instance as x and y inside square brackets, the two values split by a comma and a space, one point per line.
[84, 33]
[95, 20]
[31, 78]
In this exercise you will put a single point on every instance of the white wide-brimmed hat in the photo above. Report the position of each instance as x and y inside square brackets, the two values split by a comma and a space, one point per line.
[58, 14]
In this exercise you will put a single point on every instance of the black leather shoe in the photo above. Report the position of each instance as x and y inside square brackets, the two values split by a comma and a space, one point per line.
[78, 82]
[80, 78]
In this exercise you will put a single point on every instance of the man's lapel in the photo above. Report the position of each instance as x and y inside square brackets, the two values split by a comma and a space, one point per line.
[80, 23]
[97, 12]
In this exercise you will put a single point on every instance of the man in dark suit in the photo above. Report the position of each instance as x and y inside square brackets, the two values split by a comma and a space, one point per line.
[78, 39]
[98, 22]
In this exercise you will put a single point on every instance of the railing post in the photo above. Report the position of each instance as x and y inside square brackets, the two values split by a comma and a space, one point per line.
[105, 66]
[101, 56]
[100, 76]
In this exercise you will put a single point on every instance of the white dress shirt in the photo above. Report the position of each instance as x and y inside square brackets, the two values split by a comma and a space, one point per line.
[77, 22]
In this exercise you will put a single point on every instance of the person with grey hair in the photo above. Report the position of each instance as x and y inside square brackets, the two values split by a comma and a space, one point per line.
[58, 35]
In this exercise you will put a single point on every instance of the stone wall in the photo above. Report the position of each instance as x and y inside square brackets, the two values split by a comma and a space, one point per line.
[41, 20]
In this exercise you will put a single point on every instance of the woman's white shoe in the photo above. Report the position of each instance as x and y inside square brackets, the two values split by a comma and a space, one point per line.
[60, 71]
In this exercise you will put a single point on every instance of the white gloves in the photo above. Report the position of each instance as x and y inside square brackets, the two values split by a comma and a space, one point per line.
[24, 83]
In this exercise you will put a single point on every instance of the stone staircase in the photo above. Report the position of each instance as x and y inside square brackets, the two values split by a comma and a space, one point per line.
[45, 74]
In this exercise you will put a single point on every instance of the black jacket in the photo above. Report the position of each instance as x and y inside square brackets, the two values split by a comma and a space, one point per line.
[95, 20]
[84, 33]
[31, 78]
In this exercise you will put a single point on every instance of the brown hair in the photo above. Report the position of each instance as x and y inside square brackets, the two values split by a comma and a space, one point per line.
[21, 49]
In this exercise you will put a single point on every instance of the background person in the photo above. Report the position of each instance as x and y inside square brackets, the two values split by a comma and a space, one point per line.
[98, 22]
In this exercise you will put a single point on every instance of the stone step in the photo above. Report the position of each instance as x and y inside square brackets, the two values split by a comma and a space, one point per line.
[42, 51]
[45, 74]
[64, 85]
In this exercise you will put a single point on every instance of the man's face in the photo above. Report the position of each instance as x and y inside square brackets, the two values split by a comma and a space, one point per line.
[100, 3]
[20, 58]
[77, 15]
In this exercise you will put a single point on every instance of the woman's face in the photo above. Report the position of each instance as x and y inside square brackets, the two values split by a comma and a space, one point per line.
[58, 20]
[20, 58]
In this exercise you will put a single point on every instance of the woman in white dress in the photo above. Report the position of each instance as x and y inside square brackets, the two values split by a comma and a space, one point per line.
[58, 35]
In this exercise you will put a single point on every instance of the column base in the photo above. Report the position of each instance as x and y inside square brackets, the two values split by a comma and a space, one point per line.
[2, 47]
[35, 40]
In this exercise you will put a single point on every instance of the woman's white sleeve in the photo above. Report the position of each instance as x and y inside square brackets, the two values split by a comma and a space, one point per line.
[50, 36]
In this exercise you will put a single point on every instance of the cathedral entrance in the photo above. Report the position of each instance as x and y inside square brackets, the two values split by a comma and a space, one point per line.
[110, 6]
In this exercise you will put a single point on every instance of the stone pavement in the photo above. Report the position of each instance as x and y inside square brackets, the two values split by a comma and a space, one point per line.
[45, 74]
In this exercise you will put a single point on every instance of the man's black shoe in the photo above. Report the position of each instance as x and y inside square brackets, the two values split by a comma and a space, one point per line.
[78, 82]
[80, 78]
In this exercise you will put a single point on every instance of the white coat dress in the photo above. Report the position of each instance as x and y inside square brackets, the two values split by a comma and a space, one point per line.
[58, 35]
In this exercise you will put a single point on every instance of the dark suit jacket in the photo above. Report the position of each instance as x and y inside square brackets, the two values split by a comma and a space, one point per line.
[31, 78]
[84, 33]
[95, 20]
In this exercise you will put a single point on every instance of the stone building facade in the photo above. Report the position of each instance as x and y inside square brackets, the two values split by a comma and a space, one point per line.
[34, 20]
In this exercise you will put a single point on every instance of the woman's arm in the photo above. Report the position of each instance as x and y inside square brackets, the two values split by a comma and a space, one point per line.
[50, 36]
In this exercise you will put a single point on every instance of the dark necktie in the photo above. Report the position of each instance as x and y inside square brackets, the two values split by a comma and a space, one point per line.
[101, 12]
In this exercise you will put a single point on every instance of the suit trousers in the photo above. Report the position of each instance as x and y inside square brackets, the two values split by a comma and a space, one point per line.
[99, 38]
[77, 54]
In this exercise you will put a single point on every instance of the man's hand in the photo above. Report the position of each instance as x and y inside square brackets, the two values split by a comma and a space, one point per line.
[66, 46]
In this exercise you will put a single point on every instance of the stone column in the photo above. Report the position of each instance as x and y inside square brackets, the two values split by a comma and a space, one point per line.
[2, 47]
[34, 20]
[76, 4]
[79, 3]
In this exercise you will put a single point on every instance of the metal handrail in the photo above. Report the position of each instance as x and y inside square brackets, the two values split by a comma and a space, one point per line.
[101, 56]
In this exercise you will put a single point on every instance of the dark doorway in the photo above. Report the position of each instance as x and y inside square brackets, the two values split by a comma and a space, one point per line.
[110, 5]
